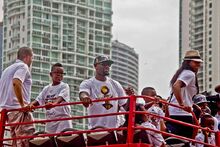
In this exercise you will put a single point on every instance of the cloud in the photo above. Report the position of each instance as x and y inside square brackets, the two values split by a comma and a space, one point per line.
[151, 28]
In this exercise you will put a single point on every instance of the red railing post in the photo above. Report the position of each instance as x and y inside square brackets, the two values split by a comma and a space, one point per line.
[217, 138]
[131, 119]
[2, 125]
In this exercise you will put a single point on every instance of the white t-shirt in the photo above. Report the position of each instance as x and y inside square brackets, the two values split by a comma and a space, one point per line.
[156, 120]
[50, 93]
[18, 70]
[187, 92]
[111, 88]
[155, 138]
[200, 137]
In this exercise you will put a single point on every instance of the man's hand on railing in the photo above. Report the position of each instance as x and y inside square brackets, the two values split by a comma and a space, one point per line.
[86, 101]
[27, 108]
[49, 105]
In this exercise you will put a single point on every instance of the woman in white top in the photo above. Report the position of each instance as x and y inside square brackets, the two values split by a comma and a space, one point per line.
[184, 86]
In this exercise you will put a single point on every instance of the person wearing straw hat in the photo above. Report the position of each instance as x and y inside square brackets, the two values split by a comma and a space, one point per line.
[15, 90]
[98, 87]
[184, 86]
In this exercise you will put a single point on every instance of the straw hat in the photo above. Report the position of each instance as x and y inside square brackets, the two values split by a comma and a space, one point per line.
[193, 55]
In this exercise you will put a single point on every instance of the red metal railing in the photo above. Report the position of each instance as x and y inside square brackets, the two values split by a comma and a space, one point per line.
[130, 129]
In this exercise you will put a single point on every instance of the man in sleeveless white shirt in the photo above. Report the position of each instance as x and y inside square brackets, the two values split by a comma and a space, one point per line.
[99, 87]
[15, 89]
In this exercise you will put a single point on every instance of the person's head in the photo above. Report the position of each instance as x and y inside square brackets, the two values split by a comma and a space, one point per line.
[217, 88]
[192, 61]
[201, 101]
[207, 121]
[154, 110]
[57, 72]
[139, 118]
[102, 65]
[26, 55]
[195, 60]
[148, 91]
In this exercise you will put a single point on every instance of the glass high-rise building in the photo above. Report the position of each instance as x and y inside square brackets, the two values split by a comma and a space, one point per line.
[125, 67]
[71, 32]
[199, 27]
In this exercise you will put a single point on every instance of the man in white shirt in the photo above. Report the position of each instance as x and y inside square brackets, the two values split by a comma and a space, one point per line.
[15, 89]
[99, 87]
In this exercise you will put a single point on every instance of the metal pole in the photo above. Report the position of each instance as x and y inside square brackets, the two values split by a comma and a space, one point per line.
[217, 138]
[2, 125]
[131, 119]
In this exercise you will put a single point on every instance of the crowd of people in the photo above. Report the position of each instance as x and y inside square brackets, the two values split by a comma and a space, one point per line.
[15, 88]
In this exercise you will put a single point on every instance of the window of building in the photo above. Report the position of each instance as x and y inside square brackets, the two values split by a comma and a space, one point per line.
[107, 4]
[37, 1]
[36, 39]
[210, 12]
[210, 39]
[210, 59]
[210, 25]
[99, 2]
[45, 78]
[210, 32]
[36, 27]
[210, 72]
[46, 3]
[210, 5]
[210, 18]
[210, 79]
[55, 5]
[37, 14]
[23, 28]
[46, 40]
[210, 45]
[210, 86]
[210, 52]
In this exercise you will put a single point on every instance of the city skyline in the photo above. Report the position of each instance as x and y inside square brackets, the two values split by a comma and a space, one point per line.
[151, 24]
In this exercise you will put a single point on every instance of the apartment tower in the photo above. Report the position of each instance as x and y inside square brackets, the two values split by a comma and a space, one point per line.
[1, 39]
[199, 27]
[125, 67]
[71, 32]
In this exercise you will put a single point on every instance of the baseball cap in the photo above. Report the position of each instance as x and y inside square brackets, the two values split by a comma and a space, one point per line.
[199, 98]
[101, 59]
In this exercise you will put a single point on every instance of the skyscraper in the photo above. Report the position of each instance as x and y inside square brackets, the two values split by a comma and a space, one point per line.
[71, 32]
[199, 29]
[1, 38]
[125, 67]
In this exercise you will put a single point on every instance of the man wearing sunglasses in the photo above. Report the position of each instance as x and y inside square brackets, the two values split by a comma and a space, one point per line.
[98, 87]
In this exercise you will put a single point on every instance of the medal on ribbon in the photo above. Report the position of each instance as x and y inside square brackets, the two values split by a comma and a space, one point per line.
[107, 104]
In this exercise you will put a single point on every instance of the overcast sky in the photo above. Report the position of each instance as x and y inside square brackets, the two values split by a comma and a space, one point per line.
[151, 28]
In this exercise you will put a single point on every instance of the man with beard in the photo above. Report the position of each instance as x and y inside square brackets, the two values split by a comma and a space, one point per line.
[98, 87]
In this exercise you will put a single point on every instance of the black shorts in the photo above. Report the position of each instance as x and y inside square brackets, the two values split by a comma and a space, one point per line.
[180, 129]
